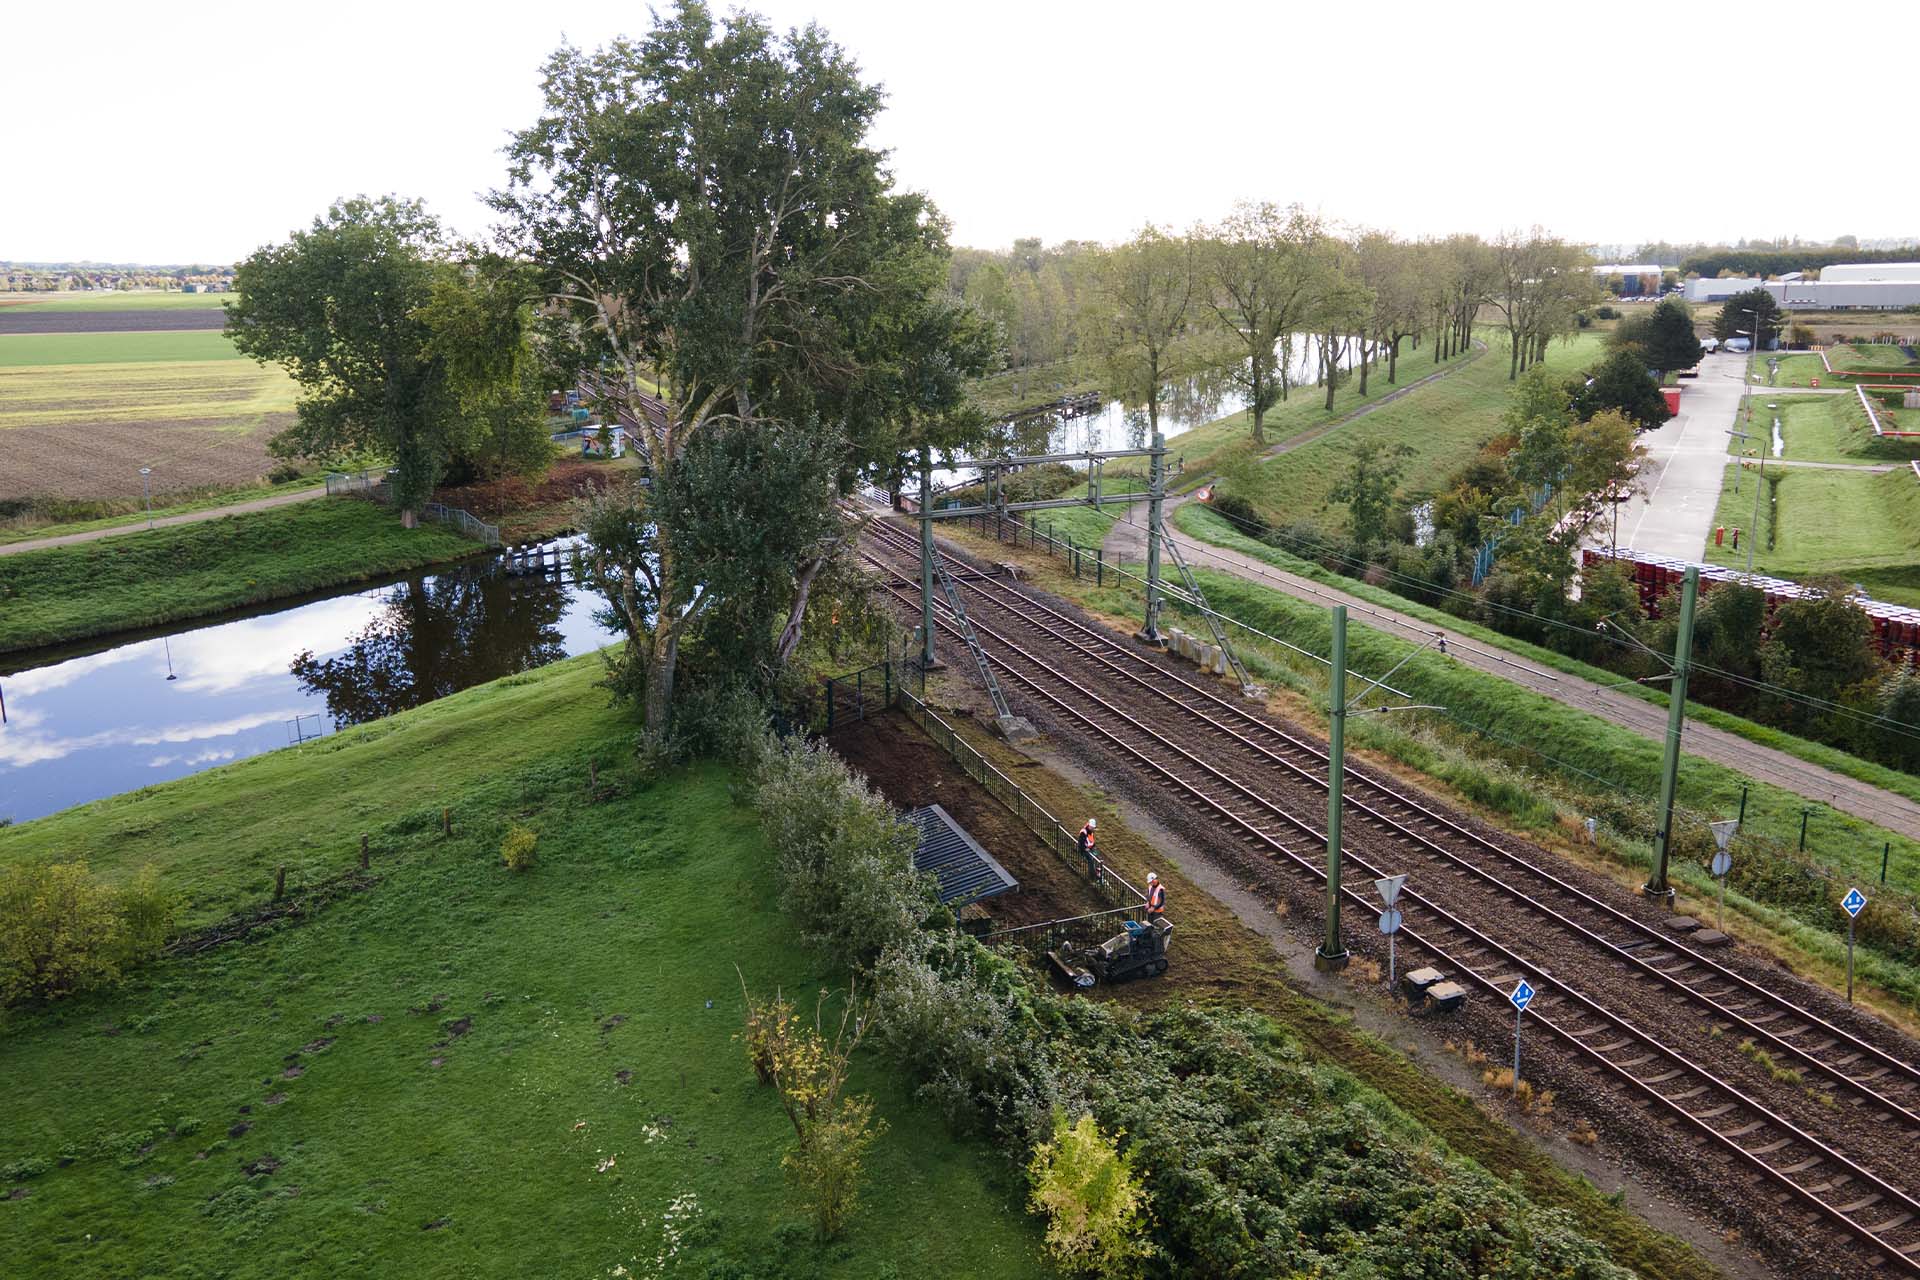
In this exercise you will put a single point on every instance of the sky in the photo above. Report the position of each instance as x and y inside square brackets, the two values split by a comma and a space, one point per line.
[198, 132]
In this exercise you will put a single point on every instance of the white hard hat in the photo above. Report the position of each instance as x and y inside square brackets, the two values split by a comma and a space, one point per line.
[1093, 822]
[1151, 877]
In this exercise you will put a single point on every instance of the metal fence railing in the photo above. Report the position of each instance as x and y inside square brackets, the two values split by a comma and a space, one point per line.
[464, 521]
[369, 482]
[851, 696]
[1031, 812]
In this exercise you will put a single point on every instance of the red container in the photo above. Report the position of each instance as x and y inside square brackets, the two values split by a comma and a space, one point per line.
[1673, 399]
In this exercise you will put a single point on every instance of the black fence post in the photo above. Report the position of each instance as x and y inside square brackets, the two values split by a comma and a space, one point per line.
[1886, 851]
[1099, 566]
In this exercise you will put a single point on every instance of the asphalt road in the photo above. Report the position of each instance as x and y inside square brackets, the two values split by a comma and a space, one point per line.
[1672, 514]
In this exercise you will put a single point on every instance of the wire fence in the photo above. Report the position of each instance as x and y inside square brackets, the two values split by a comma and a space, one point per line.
[369, 482]
[464, 521]
[373, 483]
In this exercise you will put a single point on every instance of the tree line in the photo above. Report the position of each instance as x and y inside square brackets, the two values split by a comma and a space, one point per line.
[698, 219]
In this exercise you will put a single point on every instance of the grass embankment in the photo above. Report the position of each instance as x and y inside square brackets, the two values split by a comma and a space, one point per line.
[1228, 441]
[1013, 389]
[1539, 766]
[456, 1070]
[163, 575]
[1822, 429]
[1443, 426]
[72, 516]
[1861, 526]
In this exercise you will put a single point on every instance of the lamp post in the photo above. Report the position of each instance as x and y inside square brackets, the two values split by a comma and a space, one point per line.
[146, 494]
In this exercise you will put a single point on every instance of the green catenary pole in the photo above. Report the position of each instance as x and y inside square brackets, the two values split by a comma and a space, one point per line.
[926, 557]
[1676, 721]
[1156, 490]
[1333, 952]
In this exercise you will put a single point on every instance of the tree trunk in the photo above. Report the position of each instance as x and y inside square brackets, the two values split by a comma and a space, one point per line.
[409, 518]
[803, 589]
[1329, 368]
[1366, 349]
[664, 650]
[1513, 361]
[1393, 359]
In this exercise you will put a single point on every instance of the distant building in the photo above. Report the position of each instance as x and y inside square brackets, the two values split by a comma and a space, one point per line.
[1637, 279]
[1846, 295]
[1871, 273]
[1705, 290]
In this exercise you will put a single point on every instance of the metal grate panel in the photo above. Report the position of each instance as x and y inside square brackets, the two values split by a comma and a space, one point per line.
[966, 872]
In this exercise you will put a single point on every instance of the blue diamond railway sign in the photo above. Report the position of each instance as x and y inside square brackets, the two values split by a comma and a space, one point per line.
[1854, 901]
[1522, 996]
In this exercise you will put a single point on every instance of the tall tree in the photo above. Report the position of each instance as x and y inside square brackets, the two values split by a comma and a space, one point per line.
[1138, 319]
[1621, 381]
[1738, 316]
[1340, 307]
[1257, 269]
[340, 305]
[1669, 340]
[480, 326]
[704, 206]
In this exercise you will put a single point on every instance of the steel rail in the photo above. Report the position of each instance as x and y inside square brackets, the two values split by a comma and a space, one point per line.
[1576, 1039]
[1841, 1037]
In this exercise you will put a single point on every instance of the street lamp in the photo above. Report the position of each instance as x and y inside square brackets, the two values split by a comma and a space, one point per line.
[146, 493]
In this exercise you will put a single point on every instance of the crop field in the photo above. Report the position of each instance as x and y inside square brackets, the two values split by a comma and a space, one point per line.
[80, 413]
[100, 320]
[117, 301]
[1861, 526]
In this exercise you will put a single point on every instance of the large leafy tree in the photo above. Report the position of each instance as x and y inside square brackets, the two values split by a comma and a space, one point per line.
[704, 208]
[1621, 381]
[1738, 316]
[480, 323]
[340, 306]
[1664, 338]
[1139, 307]
[1257, 281]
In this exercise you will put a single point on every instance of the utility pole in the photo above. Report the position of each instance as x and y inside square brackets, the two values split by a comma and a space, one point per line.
[1332, 954]
[927, 660]
[1156, 490]
[1657, 886]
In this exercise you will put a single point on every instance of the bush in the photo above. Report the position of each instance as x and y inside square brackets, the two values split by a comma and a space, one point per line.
[846, 861]
[284, 473]
[60, 933]
[516, 850]
[147, 911]
[1094, 1204]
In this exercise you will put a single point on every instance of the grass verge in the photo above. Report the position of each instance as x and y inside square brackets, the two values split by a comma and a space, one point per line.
[1802, 534]
[144, 579]
[458, 1070]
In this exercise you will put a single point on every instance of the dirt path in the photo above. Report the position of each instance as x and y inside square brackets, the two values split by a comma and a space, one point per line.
[191, 517]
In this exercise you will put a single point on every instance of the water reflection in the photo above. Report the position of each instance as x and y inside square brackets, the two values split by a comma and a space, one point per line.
[435, 637]
[112, 721]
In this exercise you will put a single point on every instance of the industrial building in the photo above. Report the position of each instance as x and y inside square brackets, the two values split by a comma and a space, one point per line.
[1637, 279]
[1705, 290]
[1864, 286]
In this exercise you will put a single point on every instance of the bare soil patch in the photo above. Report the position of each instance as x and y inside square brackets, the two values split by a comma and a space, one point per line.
[151, 320]
[105, 461]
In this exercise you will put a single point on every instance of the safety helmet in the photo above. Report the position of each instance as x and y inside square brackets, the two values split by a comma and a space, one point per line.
[1093, 822]
[1151, 877]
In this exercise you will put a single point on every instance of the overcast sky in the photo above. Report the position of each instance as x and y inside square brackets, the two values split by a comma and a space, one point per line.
[197, 132]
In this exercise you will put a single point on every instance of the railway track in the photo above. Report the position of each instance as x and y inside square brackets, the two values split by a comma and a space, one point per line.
[1251, 776]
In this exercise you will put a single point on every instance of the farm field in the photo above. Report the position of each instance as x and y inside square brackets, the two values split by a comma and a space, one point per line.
[1826, 429]
[81, 413]
[131, 299]
[162, 575]
[381, 1088]
[100, 320]
[1863, 527]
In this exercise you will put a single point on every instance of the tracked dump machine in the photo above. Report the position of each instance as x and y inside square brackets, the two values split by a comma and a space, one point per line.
[1138, 951]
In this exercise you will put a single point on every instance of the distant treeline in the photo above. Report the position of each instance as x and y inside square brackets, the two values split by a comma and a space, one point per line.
[1773, 262]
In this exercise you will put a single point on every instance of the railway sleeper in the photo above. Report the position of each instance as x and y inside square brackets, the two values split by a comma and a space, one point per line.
[1891, 1224]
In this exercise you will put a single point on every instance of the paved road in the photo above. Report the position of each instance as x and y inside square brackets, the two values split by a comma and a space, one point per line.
[191, 517]
[1127, 540]
[1686, 460]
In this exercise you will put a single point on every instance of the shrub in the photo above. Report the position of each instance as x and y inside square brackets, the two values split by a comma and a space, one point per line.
[845, 860]
[147, 911]
[285, 472]
[1094, 1204]
[516, 850]
[59, 932]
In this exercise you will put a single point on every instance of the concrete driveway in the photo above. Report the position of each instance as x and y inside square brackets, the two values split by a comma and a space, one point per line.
[1687, 457]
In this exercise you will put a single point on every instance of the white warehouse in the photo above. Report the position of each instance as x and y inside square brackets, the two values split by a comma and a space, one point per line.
[1705, 290]
[1862, 286]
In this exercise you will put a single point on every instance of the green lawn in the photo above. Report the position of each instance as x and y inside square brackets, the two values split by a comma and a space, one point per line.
[457, 1071]
[1824, 429]
[131, 300]
[1796, 371]
[142, 579]
[133, 516]
[24, 350]
[1444, 425]
[1863, 527]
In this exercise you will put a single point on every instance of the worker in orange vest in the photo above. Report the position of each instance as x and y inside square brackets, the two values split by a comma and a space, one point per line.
[1087, 838]
[1156, 898]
